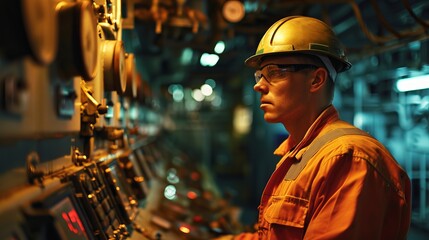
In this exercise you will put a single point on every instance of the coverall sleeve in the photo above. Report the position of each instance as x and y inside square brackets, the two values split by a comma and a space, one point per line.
[352, 200]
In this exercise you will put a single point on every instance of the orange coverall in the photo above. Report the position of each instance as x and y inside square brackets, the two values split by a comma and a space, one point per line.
[351, 188]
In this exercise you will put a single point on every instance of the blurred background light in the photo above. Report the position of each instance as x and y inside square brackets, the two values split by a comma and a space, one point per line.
[413, 83]
[209, 60]
[197, 95]
[170, 192]
[220, 47]
[206, 90]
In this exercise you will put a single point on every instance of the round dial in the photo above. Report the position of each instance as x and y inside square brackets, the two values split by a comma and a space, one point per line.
[233, 11]
[115, 76]
[29, 28]
[78, 45]
[41, 28]
[88, 41]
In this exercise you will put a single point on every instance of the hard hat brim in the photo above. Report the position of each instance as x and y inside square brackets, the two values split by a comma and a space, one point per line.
[254, 61]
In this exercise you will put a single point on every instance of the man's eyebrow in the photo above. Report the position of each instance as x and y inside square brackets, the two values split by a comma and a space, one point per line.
[271, 64]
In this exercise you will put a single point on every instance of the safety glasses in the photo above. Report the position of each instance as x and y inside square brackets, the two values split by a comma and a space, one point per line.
[277, 72]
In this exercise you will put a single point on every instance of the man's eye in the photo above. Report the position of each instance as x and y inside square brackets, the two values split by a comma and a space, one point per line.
[275, 73]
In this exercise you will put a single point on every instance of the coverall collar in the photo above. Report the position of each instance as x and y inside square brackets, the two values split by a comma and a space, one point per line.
[329, 115]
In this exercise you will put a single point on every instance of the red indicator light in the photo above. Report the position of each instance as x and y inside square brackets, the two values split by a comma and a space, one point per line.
[198, 218]
[192, 195]
[73, 222]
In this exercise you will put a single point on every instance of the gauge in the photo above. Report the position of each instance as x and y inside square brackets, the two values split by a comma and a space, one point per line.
[29, 28]
[233, 11]
[88, 40]
[78, 46]
[131, 89]
[115, 78]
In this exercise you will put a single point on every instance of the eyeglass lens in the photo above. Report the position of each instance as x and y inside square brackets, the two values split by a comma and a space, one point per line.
[278, 71]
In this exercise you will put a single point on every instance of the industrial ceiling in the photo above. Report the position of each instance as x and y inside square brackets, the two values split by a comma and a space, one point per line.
[158, 31]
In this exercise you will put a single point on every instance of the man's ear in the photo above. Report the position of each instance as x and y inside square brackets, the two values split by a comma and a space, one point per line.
[320, 76]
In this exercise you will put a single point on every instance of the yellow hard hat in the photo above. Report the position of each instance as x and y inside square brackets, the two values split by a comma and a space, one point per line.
[300, 34]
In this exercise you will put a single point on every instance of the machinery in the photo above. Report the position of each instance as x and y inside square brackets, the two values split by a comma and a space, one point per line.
[84, 147]
[79, 161]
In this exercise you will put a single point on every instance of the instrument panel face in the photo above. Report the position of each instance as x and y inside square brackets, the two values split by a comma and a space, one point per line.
[134, 173]
[67, 220]
[93, 193]
[55, 214]
[54, 57]
[72, 111]
[120, 188]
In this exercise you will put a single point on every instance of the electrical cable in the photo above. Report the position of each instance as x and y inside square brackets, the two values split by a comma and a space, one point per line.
[407, 6]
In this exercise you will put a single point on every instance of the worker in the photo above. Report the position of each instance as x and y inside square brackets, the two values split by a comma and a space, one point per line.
[333, 180]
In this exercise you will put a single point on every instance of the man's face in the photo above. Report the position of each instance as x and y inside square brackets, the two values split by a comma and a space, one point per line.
[284, 87]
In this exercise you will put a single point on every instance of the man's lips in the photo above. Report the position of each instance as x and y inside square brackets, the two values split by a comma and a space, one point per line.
[264, 103]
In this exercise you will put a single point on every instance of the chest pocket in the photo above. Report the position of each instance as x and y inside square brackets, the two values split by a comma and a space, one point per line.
[287, 211]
